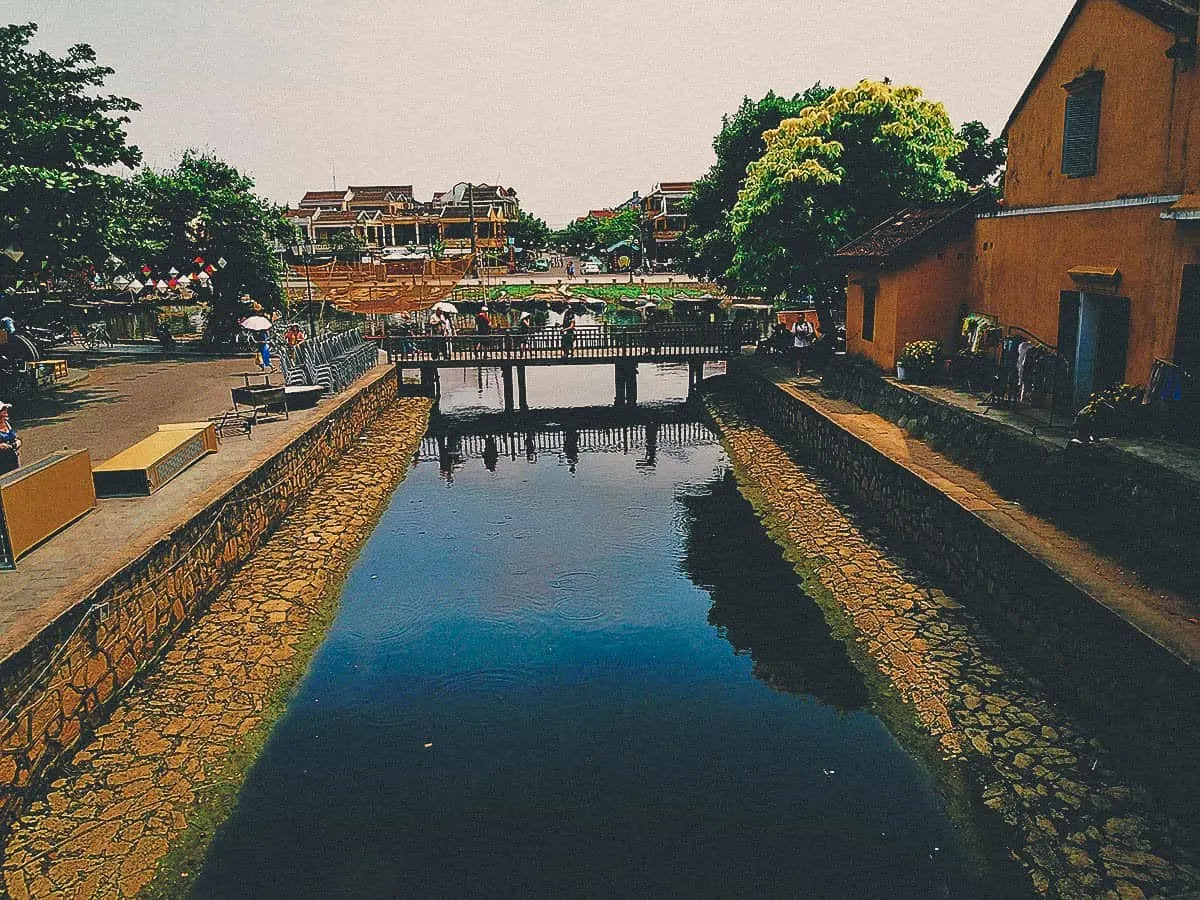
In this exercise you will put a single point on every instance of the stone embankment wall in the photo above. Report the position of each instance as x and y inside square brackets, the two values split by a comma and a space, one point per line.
[1141, 513]
[1141, 698]
[61, 684]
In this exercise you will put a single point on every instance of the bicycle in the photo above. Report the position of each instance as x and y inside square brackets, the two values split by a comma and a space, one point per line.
[97, 335]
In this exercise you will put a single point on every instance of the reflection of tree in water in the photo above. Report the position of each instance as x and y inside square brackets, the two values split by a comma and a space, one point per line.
[758, 605]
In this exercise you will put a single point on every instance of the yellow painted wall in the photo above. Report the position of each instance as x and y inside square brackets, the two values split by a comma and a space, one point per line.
[917, 301]
[1149, 115]
[1022, 263]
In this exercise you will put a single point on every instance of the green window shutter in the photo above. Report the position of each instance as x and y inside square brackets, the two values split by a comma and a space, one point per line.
[1081, 132]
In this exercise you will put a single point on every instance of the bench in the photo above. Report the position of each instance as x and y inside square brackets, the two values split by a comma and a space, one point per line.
[41, 499]
[145, 467]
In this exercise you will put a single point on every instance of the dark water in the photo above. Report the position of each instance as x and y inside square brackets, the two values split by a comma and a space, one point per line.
[584, 671]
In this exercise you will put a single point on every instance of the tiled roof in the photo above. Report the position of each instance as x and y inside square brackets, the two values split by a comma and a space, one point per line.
[328, 198]
[1177, 15]
[674, 187]
[380, 192]
[336, 217]
[298, 213]
[910, 230]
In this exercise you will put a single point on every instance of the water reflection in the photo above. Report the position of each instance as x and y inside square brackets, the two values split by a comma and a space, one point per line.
[757, 605]
[522, 695]
[455, 440]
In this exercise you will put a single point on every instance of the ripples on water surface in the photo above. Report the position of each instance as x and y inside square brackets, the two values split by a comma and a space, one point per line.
[591, 676]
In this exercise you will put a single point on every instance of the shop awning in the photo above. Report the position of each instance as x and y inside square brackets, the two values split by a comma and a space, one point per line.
[1108, 274]
[1184, 209]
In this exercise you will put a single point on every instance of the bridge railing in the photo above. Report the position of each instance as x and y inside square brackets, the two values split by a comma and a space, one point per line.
[586, 342]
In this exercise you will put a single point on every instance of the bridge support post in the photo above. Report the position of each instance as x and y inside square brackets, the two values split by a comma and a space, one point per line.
[522, 397]
[431, 383]
[506, 372]
[626, 384]
[695, 374]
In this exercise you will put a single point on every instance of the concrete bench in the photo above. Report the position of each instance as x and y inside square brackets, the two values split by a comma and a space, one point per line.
[145, 467]
[41, 499]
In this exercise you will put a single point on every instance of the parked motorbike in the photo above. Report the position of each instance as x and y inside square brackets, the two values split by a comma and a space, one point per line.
[46, 336]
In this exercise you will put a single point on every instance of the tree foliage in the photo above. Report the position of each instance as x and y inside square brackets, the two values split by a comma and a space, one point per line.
[528, 231]
[56, 132]
[707, 246]
[981, 162]
[829, 174]
[593, 233]
[204, 208]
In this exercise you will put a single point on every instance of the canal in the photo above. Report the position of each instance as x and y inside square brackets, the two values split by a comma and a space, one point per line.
[570, 662]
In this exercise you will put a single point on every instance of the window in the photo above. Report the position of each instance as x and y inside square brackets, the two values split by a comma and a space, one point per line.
[1081, 125]
[869, 293]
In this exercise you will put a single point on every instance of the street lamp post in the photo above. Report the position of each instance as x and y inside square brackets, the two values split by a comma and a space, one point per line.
[306, 248]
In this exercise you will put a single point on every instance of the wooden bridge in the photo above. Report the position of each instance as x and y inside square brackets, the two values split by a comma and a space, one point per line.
[621, 346]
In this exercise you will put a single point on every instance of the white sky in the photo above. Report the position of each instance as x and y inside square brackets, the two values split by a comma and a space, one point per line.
[575, 105]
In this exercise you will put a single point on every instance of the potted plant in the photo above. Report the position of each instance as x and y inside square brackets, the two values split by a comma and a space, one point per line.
[917, 360]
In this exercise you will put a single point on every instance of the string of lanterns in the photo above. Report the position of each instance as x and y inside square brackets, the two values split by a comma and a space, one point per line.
[172, 279]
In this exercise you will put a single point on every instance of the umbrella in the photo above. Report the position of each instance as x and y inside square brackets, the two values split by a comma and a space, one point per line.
[256, 323]
[445, 306]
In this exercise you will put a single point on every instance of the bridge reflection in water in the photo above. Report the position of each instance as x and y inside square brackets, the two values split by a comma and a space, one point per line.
[644, 430]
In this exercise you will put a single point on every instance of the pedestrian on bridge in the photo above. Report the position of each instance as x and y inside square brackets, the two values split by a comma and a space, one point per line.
[568, 331]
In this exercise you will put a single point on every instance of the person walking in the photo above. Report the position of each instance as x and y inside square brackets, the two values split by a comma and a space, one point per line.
[802, 340]
[294, 338]
[262, 340]
[483, 328]
[10, 444]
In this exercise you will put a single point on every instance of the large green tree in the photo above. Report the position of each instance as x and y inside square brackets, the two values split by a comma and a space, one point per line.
[57, 131]
[206, 209]
[829, 174]
[528, 231]
[707, 246]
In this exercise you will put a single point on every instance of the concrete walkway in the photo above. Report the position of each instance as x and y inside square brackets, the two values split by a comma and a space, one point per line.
[118, 405]
[1171, 620]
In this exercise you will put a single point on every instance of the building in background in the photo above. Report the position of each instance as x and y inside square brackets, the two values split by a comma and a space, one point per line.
[663, 219]
[1095, 251]
[388, 216]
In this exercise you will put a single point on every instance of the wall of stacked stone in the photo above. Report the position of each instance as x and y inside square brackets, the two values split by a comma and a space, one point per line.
[1126, 686]
[61, 684]
[1141, 513]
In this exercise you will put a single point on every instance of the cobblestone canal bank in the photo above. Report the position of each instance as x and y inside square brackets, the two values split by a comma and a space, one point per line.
[164, 767]
[1062, 811]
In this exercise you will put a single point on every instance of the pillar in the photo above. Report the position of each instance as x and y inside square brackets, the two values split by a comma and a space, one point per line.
[626, 384]
[430, 381]
[522, 398]
[506, 372]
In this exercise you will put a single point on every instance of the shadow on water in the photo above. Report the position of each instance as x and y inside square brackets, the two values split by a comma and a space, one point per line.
[757, 605]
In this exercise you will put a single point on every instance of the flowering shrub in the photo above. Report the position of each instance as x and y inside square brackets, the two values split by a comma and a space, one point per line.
[1114, 411]
[921, 355]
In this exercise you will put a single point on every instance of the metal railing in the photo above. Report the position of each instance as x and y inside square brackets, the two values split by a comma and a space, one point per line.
[585, 342]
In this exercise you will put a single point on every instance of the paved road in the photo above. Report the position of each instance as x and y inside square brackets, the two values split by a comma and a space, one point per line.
[123, 399]
[120, 403]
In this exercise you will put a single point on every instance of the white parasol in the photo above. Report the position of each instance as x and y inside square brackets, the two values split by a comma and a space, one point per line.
[256, 323]
[446, 307]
